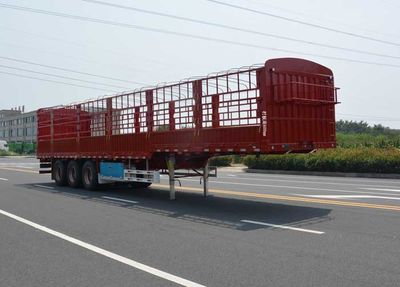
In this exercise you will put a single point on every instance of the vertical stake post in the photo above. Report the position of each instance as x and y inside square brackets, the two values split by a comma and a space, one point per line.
[52, 127]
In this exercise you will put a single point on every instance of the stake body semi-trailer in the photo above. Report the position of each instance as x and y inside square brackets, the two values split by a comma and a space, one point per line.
[286, 105]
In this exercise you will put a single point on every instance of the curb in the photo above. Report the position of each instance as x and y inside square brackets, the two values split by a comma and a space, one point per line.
[18, 156]
[232, 168]
[326, 173]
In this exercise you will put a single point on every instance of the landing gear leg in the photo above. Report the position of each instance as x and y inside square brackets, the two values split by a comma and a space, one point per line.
[171, 173]
[206, 172]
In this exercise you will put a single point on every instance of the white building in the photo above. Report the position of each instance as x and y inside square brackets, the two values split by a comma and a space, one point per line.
[17, 126]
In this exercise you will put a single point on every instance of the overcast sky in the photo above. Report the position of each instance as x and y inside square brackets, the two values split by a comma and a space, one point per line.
[368, 92]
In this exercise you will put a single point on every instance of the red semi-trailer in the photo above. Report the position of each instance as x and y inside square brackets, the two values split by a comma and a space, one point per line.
[286, 105]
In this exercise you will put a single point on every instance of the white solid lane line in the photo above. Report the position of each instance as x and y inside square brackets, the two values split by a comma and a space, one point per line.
[98, 250]
[119, 199]
[334, 196]
[4, 179]
[305, 178]
[19, 163]
[383, 189]
[267, 179]
[44, 186]
[347, 196]
[283, 226]
[293, 187]
[20, 166]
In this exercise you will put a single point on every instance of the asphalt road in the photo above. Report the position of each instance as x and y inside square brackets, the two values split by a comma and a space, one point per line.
[253, 230]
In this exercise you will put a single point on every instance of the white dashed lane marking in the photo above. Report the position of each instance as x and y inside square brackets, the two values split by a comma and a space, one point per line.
[119, 199]
[44, 186]
[282, 226]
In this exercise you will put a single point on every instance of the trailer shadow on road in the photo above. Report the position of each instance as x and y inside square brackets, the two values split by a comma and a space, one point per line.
[218, 211]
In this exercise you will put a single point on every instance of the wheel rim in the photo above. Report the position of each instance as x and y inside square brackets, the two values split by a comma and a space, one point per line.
[72, 174]
[58, 173]
[88, 176]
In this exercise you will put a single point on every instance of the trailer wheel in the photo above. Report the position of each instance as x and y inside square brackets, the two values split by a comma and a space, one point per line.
[60, 173]
[74, 174]
[140, 184]
[89, 176]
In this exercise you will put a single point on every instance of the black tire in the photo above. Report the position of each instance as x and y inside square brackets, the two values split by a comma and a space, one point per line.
[89, 176]
[59, 171]
[74, 174]
[140, 184]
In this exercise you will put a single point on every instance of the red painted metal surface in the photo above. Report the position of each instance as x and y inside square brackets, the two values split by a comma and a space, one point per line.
[286, 105]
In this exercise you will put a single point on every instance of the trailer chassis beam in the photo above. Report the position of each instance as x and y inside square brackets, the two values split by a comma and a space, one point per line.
[212, 172]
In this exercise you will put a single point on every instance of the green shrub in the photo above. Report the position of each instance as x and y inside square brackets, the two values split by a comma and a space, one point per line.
[225, 160]
[237, 159]
[22, 147]
[335, 160]
[367, 140]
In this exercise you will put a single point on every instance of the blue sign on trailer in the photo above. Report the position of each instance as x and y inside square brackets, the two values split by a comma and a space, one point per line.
[112, 169]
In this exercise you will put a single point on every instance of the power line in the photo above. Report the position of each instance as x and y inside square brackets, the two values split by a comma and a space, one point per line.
[77, 44]
[62, 69]
[391, 3]
[63, 77]
[304, 23]
[94, 88]
[314, 16]
[69, 70]
[126, 25]
[116, 64]
[197, 21]
[57, 82]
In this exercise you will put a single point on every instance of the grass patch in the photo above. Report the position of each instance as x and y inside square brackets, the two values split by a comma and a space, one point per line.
[7, 153]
